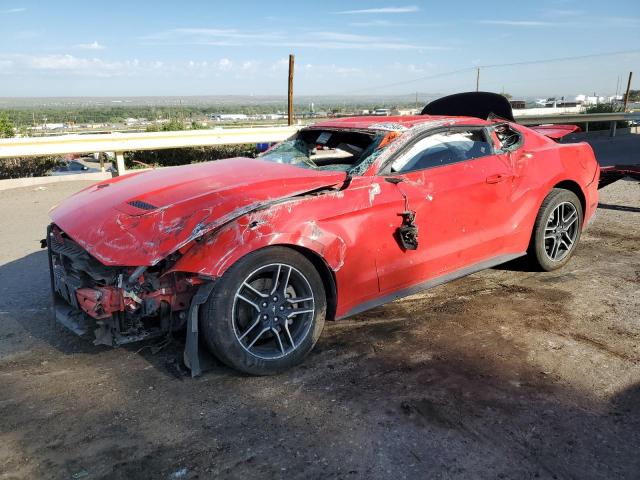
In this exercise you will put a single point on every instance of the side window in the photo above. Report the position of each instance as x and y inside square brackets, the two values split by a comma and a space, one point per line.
[508, 138]
[442, 149]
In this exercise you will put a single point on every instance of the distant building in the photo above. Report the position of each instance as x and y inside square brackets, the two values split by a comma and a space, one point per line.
[130, 122]
[407, 111]
[48, 126]
[221, 117]
[383, 112]
[518, 104]
[271, 116]
[592, 100]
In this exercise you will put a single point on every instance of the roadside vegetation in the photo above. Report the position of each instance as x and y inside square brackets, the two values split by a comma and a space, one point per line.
[27, 167]
[17, 122]
[603, 108]
[184, 156]
[28, 116]
[7, 129]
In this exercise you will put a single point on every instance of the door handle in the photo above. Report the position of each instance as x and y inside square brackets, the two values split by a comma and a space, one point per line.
[500, 177]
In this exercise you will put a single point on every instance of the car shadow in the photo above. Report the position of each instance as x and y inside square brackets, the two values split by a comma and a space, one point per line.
[619, 208]
[480, 415]
[520, 264]
[25, 303]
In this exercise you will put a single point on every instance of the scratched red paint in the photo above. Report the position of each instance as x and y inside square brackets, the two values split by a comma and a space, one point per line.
[214, 213]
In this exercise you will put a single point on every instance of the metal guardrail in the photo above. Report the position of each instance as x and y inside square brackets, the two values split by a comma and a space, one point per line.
[125, 142]
[576, 118]
[586, 118]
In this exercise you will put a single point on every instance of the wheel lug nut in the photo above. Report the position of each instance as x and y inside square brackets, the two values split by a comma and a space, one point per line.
[264, 304]
[281, 307]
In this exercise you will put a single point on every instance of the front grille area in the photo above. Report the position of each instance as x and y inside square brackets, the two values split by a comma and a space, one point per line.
[92, 297]
[72, 267]
[73, 260]
[64, 246]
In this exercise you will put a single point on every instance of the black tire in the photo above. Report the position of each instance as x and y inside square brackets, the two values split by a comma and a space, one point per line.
[226, 317]
[547, 236]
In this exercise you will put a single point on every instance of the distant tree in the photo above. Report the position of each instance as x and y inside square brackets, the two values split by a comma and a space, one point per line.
[23, 130]
[604, 108]
[508, 96]
[171, 126]
[634, 95]
[7, 129]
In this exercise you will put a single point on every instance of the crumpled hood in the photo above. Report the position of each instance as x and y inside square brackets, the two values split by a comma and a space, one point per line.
[139, 219]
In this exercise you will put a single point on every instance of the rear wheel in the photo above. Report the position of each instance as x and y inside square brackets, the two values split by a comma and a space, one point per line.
[557, 229]
[266, 312]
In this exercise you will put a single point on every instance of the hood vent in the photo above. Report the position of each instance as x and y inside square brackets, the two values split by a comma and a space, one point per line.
[142, 205]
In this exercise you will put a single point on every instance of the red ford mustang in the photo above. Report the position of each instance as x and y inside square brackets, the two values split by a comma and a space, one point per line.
[255, 254]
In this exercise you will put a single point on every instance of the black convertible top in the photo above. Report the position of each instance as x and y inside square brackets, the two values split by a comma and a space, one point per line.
[471, 104]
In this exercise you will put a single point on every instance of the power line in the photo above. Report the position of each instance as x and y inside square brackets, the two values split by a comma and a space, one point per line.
[560, 59]
[495, 65]
[427, 77]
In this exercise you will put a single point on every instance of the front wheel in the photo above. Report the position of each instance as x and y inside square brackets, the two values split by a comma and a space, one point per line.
[557, 229]
[266, 312]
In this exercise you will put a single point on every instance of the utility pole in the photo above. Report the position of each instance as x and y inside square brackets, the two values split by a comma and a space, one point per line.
[626, 95]
[290, 91]
[477, 79]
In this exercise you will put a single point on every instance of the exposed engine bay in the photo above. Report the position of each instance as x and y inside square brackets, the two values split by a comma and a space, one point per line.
[121, 304]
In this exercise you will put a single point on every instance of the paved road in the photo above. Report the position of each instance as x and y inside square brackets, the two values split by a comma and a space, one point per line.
[504, 374]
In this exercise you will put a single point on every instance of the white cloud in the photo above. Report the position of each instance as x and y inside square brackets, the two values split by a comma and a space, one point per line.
[27, 34]
[572, 19]
[620, 22]
[280, 65]
[331, 70]
[343, 37]
[520, 23]
[225, 64]
[375, 23]
[357, 46]
[224, 37]
[64, 64]
[322, 40]
[13, 10]
[95, 45]
[555, 12]
[407, 9]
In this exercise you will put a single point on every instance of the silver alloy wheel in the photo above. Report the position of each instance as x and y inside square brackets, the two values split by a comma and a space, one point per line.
[561, 231]
[273, 310]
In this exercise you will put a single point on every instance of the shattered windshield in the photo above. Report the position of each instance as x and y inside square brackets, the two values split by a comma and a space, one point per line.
[293, 152]
[321, 149]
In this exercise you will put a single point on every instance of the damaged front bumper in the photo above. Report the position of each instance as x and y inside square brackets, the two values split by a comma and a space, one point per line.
[119, 305]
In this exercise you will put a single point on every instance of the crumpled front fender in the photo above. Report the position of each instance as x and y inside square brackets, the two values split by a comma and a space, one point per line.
[215, 253]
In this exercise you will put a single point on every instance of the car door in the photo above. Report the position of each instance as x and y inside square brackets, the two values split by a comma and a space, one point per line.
[459, 189]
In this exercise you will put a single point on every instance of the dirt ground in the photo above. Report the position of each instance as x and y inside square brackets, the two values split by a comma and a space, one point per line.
[503, 374]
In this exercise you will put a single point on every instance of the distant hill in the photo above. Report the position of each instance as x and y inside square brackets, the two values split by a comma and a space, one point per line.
[209, 100]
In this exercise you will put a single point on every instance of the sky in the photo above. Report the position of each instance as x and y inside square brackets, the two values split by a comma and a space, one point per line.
[196, 47]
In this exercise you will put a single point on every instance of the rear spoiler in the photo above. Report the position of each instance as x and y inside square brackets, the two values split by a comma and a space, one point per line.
[608, 175]
[555, 132]
[488, 105]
